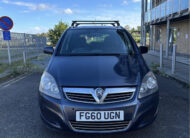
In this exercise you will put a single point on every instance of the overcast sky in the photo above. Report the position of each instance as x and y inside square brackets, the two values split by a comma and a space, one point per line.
[37, 16]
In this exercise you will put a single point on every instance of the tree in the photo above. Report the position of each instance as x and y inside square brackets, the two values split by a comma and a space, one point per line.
[55, 33]
[132, 30]
[139, 28]
[127, 27]
[42, 34]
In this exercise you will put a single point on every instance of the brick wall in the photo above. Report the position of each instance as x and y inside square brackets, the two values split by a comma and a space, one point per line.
[183, 37]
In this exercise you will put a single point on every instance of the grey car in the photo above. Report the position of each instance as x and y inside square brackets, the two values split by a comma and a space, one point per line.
[97, 81]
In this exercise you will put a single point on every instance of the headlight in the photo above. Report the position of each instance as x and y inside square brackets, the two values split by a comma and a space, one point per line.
[148, 86]
[48, 86]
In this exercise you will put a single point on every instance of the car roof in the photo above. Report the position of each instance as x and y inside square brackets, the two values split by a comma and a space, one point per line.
[96, 27]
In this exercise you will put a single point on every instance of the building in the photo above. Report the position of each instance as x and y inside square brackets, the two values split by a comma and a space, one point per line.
[168, 23]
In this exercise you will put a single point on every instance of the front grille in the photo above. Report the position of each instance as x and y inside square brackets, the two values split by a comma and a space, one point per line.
[100, 126]
[118, 97]
[88, 95]
[80, 97]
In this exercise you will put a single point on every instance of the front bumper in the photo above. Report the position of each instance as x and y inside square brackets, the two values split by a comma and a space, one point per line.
[60, 113]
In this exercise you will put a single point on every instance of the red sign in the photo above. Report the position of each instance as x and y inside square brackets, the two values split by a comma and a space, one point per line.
[6, 23]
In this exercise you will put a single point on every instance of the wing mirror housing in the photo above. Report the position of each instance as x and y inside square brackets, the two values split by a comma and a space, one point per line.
[143, 49]
[48, 50]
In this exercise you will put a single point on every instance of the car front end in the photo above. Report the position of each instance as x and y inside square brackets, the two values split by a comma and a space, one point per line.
[79, 108]
[99, 91]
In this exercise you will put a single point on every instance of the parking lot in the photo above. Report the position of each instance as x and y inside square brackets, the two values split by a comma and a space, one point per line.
[19, 112]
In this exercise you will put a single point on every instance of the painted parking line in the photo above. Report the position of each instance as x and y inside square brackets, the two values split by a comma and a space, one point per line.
[6, 82]
[14, 80]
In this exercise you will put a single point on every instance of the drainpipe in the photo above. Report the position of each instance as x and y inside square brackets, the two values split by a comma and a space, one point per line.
[142, 21]
[151, 27]
[144, 42]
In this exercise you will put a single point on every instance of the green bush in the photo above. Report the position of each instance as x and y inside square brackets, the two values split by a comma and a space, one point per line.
[55, 33]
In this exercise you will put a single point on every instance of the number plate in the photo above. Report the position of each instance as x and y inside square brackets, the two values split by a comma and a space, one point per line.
[99, 115]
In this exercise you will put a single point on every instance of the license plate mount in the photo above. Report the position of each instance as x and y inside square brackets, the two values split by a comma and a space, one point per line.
[98, 116]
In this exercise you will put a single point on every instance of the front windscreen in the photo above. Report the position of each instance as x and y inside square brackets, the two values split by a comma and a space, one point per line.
[94, 41]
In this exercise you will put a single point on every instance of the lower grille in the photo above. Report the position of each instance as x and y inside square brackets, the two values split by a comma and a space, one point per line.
[100, 126]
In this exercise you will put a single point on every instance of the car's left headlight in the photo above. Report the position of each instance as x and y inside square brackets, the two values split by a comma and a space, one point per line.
[48, 86]
[148, 86]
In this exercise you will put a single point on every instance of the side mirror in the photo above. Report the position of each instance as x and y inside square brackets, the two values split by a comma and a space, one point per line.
[48, 50]
[143, 49]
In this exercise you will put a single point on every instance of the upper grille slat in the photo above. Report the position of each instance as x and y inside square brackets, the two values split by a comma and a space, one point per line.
[110, 95]
[120, 94]
[77, 98]
[78, 94]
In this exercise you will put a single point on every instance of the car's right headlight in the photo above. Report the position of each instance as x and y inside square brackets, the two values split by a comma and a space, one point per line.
[48, 86]
[148, 86]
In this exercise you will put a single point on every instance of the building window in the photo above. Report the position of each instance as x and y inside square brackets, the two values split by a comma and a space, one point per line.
[157, 2]
[147, 5]
[158, 34]
[173, 35]
[172, 39]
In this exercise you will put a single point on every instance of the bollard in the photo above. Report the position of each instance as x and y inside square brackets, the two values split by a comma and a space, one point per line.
[24, 51]
[24, 57]
[9, 54]
[173, 58]
[161, 56]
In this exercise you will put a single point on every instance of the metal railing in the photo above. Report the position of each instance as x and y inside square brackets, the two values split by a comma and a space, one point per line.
[166, 8]
[173, 58]
[20, 47]
[175, 65]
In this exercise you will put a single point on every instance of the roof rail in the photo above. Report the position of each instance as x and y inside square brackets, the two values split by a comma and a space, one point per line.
[79, 22]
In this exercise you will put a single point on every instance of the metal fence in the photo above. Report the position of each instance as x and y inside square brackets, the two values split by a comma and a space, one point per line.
[21, 47]
[174, 65]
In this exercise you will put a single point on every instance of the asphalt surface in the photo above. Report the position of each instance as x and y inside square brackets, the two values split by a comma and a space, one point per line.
[19, 112]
